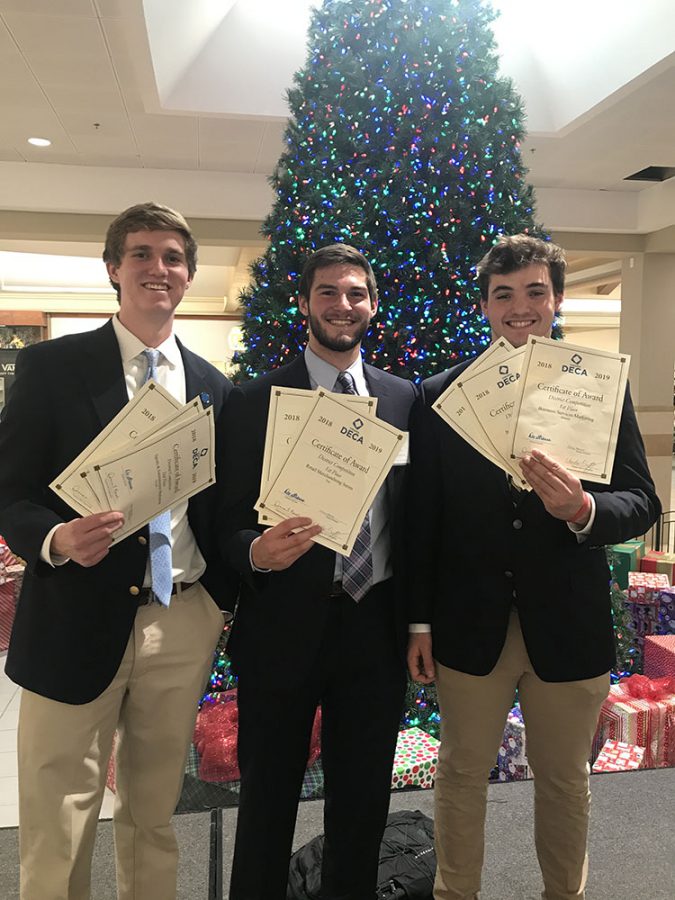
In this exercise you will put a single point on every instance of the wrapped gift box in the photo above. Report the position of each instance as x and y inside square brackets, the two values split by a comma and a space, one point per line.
[641, 720]
[639, 545]
[646, 620]
[667, 611]
[617, 756]
[8, 594]
[415, 760]
[512, 758]
[644, 587]
[627, 559]
[659, 656]
[658, 562]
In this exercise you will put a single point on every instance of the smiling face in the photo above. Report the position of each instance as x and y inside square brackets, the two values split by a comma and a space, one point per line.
[152, 276]
[338, 309]
[521, 303]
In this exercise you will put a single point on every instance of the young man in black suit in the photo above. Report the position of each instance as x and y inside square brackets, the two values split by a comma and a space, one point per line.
[91, 646]
[299, 639]
[512, 591]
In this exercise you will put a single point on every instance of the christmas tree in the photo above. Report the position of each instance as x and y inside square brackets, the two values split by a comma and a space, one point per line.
[628, 660]
[403, 140]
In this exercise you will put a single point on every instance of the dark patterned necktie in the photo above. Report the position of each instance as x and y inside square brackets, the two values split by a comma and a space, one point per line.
[357, 568]
[159, 528]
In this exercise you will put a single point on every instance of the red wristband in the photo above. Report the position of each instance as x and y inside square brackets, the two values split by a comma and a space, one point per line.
[582, 512]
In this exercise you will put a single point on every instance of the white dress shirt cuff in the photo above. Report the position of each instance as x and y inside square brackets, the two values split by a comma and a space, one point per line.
[46, 555]
[254, 568]
[582, 532]
[419, 628]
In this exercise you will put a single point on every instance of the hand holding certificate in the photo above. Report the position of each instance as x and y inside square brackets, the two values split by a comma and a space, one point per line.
[337, 464]
[550, 395]
[569, 406]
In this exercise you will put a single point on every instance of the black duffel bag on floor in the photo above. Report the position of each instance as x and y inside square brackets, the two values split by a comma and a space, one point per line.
[407, 861]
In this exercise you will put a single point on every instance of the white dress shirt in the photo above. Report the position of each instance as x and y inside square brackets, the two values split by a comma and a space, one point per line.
[187, 561]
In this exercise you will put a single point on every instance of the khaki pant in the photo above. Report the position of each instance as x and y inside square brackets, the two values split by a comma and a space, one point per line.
[64, 751]
[560, 720]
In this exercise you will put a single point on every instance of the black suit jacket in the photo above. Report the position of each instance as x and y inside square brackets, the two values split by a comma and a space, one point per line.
[72, 623]
[480, 552]
[280, 615]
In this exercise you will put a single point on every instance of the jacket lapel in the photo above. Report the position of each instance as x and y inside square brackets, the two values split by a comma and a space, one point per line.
[103, 373]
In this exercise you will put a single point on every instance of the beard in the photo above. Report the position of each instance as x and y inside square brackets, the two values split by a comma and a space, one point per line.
[340, 343]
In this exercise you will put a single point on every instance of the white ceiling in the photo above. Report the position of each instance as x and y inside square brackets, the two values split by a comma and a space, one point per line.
[184, 102]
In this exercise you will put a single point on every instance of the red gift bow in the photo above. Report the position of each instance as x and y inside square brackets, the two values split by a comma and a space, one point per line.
[642, 688]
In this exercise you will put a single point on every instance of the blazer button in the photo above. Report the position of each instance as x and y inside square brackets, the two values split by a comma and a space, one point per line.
[517, 524]
[508, 573]
[134, 591]
[142, 540]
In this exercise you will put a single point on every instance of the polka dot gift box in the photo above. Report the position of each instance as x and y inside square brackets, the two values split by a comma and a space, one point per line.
[415, 760]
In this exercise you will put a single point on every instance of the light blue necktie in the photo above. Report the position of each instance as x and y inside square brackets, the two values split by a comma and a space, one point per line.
[159, 528]
[357, 569]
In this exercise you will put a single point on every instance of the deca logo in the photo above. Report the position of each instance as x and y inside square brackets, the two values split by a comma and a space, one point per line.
[353, 432]
[507, 377]
[197, 454]
[575, 366]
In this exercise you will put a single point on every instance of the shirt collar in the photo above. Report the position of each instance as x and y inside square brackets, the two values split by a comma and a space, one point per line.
[323, 374]
[131, 346]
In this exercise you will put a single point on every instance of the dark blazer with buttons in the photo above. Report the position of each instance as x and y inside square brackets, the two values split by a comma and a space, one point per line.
[479, 552]
[72, 623]
[280, 615]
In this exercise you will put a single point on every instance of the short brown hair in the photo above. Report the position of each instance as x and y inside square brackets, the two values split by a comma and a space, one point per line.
[518, 251]
[337, 254]
[147, 217]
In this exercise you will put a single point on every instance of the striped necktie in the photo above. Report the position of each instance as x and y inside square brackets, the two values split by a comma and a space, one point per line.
[357, 568]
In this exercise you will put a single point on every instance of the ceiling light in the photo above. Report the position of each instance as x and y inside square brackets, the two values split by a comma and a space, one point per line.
[39, 142]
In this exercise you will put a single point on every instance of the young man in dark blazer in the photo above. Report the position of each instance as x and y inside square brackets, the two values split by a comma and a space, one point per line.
[92, 648]
[511, 590]
[299, 639]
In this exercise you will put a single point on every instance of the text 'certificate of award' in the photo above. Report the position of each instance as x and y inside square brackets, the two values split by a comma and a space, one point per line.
[289, 409]
[335, 468]
[570, 405]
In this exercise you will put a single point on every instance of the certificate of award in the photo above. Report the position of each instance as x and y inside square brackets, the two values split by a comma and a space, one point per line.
[159, 473]
[288, 412]
[151, 406]
[336, 466]
[569, 405]
[454, 408]
[491, 392]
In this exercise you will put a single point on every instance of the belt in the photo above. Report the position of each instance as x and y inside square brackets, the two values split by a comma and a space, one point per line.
[147, 595]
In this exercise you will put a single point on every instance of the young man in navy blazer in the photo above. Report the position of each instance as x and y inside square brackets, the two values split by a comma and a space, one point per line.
[511, 590]
[91, 647]
[299, 639]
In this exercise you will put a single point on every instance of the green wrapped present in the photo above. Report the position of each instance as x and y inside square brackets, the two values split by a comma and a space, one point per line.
[626, 559]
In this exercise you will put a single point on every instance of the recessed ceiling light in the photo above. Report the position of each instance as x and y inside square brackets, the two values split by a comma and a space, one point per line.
[39, 142]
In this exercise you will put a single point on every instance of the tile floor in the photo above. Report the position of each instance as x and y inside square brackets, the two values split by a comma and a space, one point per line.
[9, 712]
[9, 791]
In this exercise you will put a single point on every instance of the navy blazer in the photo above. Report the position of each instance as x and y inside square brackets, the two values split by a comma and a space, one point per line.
[72, 623]
[478, 552]
[280, 615]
